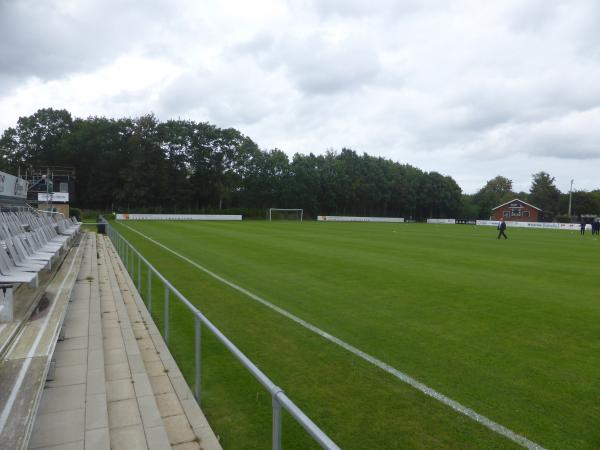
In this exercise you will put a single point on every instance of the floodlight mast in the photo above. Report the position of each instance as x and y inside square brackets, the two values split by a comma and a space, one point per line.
[570, 197]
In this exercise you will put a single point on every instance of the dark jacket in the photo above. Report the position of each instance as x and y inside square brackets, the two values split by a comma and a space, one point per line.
[502, 226]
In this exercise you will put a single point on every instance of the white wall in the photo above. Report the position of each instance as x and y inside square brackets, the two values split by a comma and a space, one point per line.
[550, 225]
[179, 217]
[359, 219]
[442, 221]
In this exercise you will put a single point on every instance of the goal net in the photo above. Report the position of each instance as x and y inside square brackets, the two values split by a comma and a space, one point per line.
[285, 214]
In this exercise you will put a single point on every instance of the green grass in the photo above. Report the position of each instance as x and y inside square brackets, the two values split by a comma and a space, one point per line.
[510, 329]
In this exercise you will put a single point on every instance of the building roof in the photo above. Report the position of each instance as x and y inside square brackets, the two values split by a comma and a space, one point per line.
[516, 200]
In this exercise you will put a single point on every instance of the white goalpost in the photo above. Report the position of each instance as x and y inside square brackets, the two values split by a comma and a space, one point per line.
[286, 214]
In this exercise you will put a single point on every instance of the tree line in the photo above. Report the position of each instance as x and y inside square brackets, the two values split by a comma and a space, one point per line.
[543, 193]
[143, 164]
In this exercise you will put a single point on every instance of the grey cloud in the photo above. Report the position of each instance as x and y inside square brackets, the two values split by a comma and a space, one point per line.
[384, 9]
[467, 88]
[566, 137]
[569, 137]
[317, 63]
[533, 15]
[50, 39]
[222, 97]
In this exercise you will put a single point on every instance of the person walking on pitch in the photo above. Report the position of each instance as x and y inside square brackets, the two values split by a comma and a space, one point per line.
[502, 227]
[582, 227]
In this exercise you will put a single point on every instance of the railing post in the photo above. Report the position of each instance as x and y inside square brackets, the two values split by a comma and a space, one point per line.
[166, 322]
[139, 286]
[150, 290]
[276, 421]
[198, 360]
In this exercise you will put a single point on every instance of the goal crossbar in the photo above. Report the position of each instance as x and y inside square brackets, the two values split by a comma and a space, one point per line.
[298, 210]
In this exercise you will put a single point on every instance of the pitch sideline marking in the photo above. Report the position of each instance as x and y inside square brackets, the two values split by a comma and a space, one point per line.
[458, 407]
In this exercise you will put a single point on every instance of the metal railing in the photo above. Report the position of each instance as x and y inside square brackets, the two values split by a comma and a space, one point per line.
[133, 259]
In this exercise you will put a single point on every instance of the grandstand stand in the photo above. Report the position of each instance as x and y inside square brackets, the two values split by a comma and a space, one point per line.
[82, 364]
[32, 306]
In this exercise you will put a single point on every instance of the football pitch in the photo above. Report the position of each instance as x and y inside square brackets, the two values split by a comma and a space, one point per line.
[508, 329]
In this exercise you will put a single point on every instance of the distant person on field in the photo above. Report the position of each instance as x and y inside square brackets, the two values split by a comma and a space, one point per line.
[582, 227]
[502, 227]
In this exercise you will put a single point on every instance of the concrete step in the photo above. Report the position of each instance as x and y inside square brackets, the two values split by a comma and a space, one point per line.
[186, 425]
[73, 412]
[134, 418]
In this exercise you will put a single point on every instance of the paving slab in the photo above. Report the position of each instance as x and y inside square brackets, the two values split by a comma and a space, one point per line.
[119, 390]
[123, 413]
[128, 438]
[96, 412]
[71, 357]
[63, 398]
[98, 439]
[58, 428]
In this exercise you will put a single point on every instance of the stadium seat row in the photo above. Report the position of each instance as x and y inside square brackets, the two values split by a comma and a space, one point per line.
[29, 242]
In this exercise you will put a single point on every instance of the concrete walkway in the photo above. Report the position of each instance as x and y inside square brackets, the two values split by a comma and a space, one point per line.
[116, 385]
[72, 413]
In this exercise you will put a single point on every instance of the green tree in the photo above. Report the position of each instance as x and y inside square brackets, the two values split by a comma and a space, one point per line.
[144, 164]
[495, 192]
[544, 194]
[35, 140]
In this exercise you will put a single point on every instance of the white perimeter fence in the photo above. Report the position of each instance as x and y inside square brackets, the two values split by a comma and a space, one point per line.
[442, 221]
[548, 225]
[179, 217]
[516, 224]
[359, 219]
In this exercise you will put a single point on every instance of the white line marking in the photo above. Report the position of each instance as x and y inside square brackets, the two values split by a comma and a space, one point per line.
[17, 386]
[488, 423]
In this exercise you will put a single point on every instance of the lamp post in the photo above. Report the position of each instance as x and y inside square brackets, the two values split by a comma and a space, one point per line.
[570, 198]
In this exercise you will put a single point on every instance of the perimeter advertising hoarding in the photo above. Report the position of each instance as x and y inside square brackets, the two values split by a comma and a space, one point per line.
[56, 197]
[359, 219]
[550, 225]
[442, 221]
[179, 217]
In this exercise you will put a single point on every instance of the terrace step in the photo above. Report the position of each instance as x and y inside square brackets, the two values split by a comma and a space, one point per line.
[73, 411]
[133, 414]
[185, 423]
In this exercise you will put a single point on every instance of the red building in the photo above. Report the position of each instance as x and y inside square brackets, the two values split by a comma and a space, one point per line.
[517, 210]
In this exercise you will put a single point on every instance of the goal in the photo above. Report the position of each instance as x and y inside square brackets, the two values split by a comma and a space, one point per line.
[285, 214]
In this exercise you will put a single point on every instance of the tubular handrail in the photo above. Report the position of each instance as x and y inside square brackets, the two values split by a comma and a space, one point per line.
[127, 251]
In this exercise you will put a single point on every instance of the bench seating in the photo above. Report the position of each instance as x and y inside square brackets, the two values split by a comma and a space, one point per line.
[24, 366]
[30, 242]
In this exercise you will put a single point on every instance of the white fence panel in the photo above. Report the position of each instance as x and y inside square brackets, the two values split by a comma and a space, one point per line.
[442, 221]
[359, 219]
[179, 217]
[549, 225]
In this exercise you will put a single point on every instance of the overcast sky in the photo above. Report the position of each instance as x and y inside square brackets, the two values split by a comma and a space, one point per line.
[468, 88]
